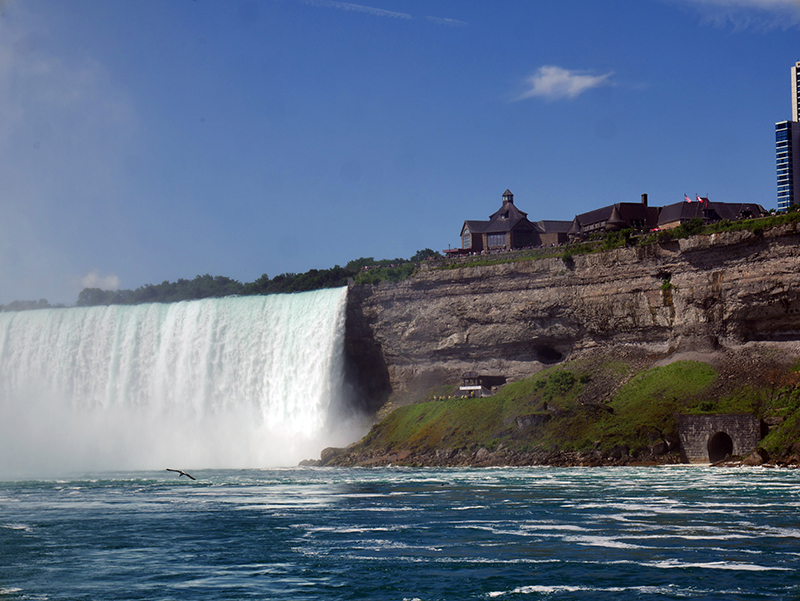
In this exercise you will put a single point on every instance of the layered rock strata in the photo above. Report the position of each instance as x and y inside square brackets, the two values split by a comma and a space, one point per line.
[514, 318]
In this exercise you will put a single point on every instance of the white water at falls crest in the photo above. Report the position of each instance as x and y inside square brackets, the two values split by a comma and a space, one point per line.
[235, 382]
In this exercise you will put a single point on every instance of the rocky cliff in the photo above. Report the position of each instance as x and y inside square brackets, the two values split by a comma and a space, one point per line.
[512, 319]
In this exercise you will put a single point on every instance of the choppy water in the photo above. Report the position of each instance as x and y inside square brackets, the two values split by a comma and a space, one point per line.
[397, 534]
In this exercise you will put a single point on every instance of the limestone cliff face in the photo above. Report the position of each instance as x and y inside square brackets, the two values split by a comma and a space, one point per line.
[510, 319]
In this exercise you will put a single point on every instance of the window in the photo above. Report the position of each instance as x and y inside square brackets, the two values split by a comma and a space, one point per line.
[495, 240]
[466, 240]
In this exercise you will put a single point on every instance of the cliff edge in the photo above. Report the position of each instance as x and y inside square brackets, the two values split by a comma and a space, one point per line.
[514, 319]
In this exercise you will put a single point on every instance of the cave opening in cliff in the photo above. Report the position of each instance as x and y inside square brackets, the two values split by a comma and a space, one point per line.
[719, 446]
[548, 355]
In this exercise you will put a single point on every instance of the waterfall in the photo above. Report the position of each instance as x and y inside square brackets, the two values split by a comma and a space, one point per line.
[218, 383]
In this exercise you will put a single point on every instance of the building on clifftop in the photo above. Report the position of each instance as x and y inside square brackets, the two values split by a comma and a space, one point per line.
[787, 149]
[553, 232]
[616, 217]
[507, 229]
[710, 212]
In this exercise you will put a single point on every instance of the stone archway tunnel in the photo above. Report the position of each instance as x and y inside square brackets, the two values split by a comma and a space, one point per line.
[710, 438]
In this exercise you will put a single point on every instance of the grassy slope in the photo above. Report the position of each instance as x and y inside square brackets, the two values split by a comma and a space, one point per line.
[569, 412]
[574, 406]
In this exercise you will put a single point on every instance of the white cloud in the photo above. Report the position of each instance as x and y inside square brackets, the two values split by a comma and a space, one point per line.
[93, 279]
[375, 12]
[448, 22]
[554, 83]
[379, 12]
[763, 14]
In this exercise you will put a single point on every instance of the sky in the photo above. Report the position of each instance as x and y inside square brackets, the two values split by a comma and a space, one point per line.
[152, 140]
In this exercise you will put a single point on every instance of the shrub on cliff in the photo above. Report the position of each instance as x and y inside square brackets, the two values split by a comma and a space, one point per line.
[622, 238]
[559, 384]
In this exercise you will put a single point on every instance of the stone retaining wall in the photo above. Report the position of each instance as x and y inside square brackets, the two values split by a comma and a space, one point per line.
[708, 438]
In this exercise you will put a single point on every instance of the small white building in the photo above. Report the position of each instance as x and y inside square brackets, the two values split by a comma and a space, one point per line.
[478, 386]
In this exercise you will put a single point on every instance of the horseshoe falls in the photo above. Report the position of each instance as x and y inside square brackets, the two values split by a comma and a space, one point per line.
[217, 383]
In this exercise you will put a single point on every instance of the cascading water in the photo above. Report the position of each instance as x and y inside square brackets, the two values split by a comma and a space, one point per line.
[216, 383]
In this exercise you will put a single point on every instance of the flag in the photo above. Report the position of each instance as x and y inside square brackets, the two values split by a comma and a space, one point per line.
[698, 198]
[686, 198]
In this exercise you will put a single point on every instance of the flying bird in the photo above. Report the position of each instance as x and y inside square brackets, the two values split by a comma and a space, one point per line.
[181, 473]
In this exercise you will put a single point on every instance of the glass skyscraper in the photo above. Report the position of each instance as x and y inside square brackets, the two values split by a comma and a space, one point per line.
[787, 149]
[785, 144]
[796, 91]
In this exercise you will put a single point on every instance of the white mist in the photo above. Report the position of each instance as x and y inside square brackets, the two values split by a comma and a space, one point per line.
[217, 383]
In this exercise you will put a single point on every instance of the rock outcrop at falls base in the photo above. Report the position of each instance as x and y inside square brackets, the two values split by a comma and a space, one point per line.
[512, 319]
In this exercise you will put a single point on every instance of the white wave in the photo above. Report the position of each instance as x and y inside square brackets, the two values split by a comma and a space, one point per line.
[715, 565]
[545, 590]
[711, 537]
[23, 527]
[634, 507]
[501, 531]
[552, 526]
[670, 590]
[351, 530]
[460, 561]
[603, 541]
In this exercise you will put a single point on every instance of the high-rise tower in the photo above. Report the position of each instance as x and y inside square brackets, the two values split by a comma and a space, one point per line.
[796, 92]
[787, 149]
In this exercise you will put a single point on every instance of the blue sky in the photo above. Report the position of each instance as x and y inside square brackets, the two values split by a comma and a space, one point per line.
[152, 140]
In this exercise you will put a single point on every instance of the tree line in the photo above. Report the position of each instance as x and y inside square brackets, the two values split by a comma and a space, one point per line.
[365, 270]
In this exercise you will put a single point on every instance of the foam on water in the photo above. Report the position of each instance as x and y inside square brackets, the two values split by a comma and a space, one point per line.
[229, 383]
[321, 534]
[715, 565]
[667, 591]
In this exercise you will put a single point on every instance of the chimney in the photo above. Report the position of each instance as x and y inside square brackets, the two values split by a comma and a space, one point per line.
[644, 199]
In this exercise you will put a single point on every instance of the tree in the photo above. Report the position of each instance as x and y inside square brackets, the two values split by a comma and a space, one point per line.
[692, 227]
[425, 253]
[91, 297]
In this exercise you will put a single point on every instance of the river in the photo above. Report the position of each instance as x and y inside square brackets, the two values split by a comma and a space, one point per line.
[404, 534]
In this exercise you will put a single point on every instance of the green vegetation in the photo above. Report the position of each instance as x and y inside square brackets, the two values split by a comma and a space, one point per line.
[503, 257]
[558, 410]
[28, 305]
[203, 286]
[466, 423]
[620, 239]
[630, 238]
[783, 402]
[365, 270]
[644, 409]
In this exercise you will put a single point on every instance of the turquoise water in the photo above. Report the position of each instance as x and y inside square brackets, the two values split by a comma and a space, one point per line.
[402, 534]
